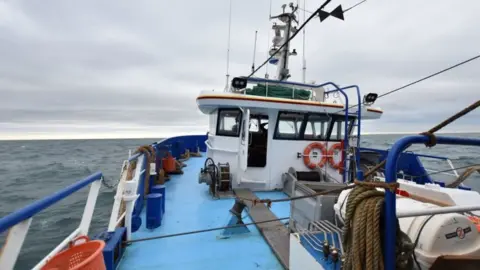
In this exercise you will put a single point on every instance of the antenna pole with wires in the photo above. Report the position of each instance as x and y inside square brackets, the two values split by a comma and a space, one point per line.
[254, 50]
[304, 68]
[283, 49]
[228, 46]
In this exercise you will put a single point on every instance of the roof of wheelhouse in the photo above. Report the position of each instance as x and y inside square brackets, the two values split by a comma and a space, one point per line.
[283, 95]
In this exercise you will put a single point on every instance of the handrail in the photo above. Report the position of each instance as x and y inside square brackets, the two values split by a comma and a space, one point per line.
[18, 223]
[261, 80]
[391, 177]
[30, 210]
[427, 156]
[359, 121]
[345, 134]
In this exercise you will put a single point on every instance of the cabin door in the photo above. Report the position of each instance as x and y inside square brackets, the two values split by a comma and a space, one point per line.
[244, 141]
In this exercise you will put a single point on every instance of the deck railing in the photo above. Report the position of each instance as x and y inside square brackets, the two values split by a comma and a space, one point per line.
[18, 222]
[390, 197]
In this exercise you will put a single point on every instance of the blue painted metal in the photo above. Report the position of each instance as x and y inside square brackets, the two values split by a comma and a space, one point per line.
[408, 162]
[136, 223]
[441, 183]
[360, 175]
[151, 183]
[32, 209]
[326, 263]
[189, 142]
[141, 188]
[391, 177]
[195, 209]
[113, 250]
[160, 189]
[359, 120]
[154, 210]
[427, 156]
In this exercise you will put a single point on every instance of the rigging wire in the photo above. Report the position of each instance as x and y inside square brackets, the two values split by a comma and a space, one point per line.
[418, 81]
[448, 170]
[314, 14]
[350, 8]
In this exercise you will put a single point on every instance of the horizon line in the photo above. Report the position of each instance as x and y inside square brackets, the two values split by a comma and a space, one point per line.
[182, 134]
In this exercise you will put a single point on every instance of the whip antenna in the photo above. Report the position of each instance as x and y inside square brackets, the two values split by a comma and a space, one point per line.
[254, 50]
[228, 45]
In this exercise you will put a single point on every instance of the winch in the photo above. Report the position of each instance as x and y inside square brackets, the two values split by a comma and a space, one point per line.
[216, 176]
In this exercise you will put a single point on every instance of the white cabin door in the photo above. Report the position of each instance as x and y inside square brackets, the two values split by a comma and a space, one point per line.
[244, 141]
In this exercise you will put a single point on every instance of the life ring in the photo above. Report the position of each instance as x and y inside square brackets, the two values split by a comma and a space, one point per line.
[306, 155]
[331, 152]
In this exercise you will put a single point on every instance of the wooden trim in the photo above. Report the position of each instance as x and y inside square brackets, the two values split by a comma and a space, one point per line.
[374, 110]
[275, 100]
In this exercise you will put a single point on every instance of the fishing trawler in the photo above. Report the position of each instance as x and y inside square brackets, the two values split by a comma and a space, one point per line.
[280, 181]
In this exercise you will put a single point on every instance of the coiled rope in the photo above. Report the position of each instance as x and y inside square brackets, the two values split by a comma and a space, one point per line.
[362, 238]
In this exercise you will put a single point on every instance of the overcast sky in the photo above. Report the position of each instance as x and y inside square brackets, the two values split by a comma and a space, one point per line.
[134, 68]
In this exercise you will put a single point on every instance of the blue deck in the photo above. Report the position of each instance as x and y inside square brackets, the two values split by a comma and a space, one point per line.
[189, 207]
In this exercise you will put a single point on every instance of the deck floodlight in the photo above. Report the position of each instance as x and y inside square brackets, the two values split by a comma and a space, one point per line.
[370, 98]
[239, 83]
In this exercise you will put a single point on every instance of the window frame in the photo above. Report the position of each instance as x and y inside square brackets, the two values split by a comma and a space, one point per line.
[218, 132]
[301, 132]
[298, 137]
[335, 119]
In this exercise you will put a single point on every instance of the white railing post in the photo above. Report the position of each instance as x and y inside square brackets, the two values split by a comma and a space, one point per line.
[453, 167]
[90, 207]
[129, 196]
[13, 244]
[114, 217]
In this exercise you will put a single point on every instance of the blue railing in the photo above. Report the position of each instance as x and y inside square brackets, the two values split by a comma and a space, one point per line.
[345, 134]
[30, 210]
[359, 121]
[391, 177]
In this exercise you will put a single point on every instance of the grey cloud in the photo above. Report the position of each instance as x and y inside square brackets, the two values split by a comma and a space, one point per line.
[106, 64]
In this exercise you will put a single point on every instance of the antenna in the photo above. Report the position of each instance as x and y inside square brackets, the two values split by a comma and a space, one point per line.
[254, 50]
[268, 41]
[304, 68]
[228, 45]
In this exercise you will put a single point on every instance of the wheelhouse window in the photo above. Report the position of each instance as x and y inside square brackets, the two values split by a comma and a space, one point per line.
[337, 132]
[289, 125]
[316, 127]
[229, 121]
[311, 127]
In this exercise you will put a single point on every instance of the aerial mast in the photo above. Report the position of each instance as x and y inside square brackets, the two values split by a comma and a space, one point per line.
[282, 35]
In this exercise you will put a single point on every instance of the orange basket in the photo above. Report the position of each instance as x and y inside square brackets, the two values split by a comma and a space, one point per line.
[85, 256]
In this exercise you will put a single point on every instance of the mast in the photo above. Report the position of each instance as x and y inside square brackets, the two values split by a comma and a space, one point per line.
[228, 46]
[282, 35]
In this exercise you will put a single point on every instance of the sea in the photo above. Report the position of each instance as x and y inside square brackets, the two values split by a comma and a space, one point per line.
[30, 170]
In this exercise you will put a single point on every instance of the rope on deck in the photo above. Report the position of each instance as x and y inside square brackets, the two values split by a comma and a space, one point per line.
[202, 231]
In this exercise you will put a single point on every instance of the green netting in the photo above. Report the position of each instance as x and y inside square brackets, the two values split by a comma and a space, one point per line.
[278, 92]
